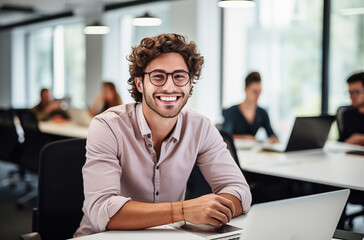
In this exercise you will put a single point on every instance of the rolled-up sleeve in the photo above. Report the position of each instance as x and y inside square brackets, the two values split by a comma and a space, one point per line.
[102, 172]
[220, 169]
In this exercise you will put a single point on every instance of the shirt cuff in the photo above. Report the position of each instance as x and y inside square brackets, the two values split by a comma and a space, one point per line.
[243, 195]
[113, 205]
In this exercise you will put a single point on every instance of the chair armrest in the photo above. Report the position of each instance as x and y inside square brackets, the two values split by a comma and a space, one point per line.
[30, 236]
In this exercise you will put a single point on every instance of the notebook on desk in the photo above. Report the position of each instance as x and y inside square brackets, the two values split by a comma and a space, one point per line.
[308, 217]
[307, 133]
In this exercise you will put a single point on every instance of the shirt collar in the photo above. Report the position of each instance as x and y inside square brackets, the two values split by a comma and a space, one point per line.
[177, 129]
[144, 128]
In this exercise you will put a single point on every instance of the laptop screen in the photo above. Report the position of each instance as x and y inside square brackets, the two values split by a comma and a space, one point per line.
[309, 133]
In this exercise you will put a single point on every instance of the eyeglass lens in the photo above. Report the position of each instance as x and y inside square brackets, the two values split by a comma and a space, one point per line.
[180, 78]
[356, 92]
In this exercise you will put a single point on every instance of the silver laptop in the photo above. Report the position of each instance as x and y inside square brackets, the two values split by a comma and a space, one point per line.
[309, 217]
[80, 116]
[313, 217]
[307, 133]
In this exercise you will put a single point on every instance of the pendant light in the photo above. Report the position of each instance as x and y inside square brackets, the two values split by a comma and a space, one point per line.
[236, 3]
[147, 20]
[96, 29]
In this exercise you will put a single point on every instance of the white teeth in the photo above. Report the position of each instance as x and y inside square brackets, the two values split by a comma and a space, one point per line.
[168, 99]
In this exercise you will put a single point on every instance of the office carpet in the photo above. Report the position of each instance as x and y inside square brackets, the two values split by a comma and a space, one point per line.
[14, 222]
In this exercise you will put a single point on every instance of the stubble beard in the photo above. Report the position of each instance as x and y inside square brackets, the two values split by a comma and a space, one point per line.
[153, 106]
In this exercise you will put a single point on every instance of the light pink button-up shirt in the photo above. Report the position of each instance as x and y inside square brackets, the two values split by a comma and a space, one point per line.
[122, 165]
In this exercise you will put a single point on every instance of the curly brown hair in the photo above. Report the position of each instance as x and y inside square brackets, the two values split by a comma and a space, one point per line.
[152, 47]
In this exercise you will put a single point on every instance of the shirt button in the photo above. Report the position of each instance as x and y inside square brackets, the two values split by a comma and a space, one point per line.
[149, 135]
[157, 167]
[157, 193]
[150, 145]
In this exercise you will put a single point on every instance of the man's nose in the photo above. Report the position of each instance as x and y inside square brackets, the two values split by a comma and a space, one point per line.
[169, 82]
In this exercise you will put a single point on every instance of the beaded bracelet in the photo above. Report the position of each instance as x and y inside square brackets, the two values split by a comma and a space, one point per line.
[183, 213]
[172, 213]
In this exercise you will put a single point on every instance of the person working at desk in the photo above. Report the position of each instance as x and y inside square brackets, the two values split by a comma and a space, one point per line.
[244, 120]
[48, 109]
[353, 118]
[109, 97]
[140, 155]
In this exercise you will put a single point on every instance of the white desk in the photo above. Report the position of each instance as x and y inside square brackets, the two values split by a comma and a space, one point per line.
[165, 232]
[67, 129]
[332, 166]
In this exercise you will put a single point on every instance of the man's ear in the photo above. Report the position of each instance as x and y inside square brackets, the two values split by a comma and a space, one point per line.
[139, 83]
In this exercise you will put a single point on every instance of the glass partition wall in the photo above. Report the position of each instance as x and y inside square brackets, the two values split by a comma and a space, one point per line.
[283, 41]
[346, 48]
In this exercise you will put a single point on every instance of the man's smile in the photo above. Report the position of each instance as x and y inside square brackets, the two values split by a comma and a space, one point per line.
[168, 99]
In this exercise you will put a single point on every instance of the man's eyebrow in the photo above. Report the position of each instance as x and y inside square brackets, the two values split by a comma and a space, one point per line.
[162, 70]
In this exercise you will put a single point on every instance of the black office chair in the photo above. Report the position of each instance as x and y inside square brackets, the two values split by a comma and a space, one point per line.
[60, 190]
[10, 147]
[356, 197]
[34, 141]
[196, 184]
[339, 119]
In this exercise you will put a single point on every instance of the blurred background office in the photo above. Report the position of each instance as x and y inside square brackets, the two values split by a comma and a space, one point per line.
[305, 49]
[108, 97]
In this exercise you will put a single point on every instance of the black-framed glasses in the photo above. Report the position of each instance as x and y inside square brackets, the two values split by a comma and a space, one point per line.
[159, 77]
[356, 92]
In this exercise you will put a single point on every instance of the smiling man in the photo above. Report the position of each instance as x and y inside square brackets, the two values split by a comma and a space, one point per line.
[140, 155]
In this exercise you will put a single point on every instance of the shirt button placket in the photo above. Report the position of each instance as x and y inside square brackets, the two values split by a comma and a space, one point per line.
[157, 183]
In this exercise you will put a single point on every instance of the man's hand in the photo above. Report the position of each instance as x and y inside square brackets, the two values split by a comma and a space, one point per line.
[356, 138]
[273, 139]
[209, 209]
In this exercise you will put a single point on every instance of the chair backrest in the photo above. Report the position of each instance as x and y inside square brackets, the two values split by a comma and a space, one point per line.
[228, 139]
[339, 119]
[34, 139]
[9, 143]
[60, 188]
[197, 185]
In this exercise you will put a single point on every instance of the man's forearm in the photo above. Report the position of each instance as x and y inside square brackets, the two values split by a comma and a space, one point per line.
[208, 209]
[356, 138]
[139, 215]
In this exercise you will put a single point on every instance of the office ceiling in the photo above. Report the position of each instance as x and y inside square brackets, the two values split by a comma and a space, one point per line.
[18, 12]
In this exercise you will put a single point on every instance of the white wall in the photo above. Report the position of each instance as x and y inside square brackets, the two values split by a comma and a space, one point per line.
[18, 68]
[5, 68]
[93, 73]
[207, 91]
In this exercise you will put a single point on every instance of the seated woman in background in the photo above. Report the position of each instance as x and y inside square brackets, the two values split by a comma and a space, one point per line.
[109, 97]
[244, 120]
[49, 109]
